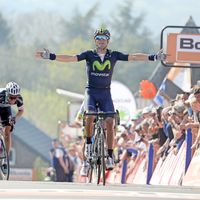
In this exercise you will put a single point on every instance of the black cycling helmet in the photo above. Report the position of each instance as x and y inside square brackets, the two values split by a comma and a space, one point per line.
[102, 31]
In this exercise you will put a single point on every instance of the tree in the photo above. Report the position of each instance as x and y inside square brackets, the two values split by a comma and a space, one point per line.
[80, 25]
[131, 37]
[5, 33]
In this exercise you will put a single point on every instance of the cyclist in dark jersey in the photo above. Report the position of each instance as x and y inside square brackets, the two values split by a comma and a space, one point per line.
[100, 65]
[10, 95]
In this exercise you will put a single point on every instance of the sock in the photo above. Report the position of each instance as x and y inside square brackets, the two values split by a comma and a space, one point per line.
[88, 140]
[110, 153]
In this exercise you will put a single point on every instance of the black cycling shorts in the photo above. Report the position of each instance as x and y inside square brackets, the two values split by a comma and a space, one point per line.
[102, 97]
[5, 115]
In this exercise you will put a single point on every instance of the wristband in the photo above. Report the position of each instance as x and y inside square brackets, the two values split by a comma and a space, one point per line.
[152, 57]
[52, 56]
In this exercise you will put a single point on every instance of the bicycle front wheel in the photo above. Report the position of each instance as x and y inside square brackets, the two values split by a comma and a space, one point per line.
[96, 159]
[103, 165]
[99, 149]
[4, 162]
[90, 173]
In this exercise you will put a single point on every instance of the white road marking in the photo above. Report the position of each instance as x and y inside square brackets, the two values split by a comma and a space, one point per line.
[91, 193]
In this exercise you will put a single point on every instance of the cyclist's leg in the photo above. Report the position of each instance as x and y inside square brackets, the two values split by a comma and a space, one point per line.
[5, 117]
[83, 145]
[85, 165]
[89, 105]
[8, 138]
[78, 122]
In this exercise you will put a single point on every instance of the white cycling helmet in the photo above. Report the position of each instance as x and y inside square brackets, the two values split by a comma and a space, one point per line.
[13, 88]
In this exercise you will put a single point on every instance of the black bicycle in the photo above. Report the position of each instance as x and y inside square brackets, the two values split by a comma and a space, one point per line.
[4, 158]
[97, 164]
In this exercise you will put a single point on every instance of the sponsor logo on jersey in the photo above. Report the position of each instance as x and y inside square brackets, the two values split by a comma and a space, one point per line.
[101, 67]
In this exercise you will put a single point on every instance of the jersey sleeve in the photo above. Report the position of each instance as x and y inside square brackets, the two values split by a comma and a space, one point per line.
[3, 96]
[121, 56]
[82, 56]
[20, 103]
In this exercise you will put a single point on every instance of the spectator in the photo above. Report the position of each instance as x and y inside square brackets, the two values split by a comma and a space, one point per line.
[58, 155]
[194, 101]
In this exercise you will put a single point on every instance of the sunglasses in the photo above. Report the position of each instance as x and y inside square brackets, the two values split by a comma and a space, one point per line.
[101, 37]
[12, 97]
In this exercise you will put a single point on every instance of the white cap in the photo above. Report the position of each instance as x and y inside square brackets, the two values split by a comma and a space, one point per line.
[146, 110]
[191, 99]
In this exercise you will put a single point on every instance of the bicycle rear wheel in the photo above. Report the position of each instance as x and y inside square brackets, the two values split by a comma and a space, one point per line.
[101, 163]
[99, 167]
[4, 162]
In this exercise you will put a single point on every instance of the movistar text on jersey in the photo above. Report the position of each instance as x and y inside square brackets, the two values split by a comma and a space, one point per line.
[99, 74]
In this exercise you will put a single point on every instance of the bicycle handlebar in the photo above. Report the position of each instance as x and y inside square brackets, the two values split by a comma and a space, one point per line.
[10, 121]
[101, 113]
[2, 121]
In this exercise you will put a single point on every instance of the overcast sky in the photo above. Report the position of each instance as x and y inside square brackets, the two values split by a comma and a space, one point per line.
[159, 13]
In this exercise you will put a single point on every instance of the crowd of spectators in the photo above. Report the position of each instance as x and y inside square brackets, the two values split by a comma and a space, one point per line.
[163, 126]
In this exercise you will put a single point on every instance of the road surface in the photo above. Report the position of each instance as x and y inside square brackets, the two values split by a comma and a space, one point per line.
[73, 191]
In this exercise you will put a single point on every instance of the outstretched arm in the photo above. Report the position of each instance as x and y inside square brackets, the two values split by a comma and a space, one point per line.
[145, 57]
[138, 57]
[51, 56]
[66, 58]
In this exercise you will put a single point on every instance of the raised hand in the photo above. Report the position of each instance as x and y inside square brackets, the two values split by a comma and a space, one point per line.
[160, 55]
[43, 54]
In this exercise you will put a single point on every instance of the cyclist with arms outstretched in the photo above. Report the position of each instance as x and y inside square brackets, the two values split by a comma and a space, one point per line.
[100, 65]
